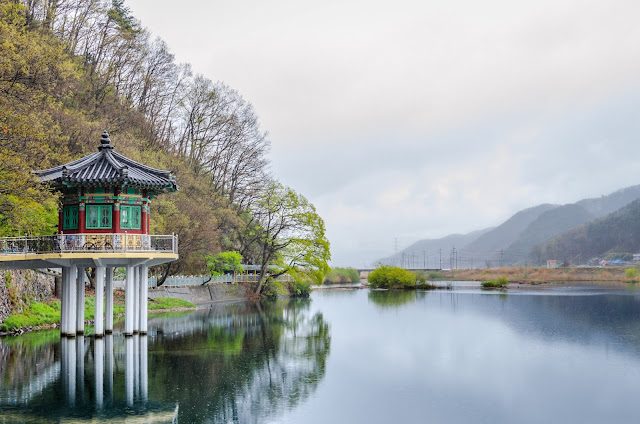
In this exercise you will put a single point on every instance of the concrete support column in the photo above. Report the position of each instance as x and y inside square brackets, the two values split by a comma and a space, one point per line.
[128, 302]
[98, 312]
[128, 370]
[98, 365]
[64, 301]
[108, 319]
[80, 367]
[144, 369]
[70, 358]
[109, 361]
[80, 302]
[136, 302]
[71, 315]
[144, 294]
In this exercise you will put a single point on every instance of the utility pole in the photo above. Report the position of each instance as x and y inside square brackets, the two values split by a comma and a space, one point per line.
[440, 258]
[501, 254]
[424, 259]
[395, 250]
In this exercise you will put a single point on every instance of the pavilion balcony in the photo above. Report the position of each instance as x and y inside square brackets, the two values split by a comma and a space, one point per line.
[89, 243]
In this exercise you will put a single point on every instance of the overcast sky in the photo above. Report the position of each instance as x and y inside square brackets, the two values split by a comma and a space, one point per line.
[416, 119]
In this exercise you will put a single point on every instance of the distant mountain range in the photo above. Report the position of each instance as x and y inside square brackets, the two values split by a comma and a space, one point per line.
[524, 238]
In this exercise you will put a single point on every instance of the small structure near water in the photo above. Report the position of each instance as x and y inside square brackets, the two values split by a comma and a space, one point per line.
[103, 223]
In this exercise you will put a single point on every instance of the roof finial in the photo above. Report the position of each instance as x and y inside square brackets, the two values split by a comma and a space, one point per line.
[105, 142]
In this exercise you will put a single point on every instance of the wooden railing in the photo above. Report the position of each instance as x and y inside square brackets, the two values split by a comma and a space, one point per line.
[71, 243]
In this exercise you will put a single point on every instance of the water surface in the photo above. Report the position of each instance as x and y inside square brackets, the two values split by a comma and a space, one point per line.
[568, 354]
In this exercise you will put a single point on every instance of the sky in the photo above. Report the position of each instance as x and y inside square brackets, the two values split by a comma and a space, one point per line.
[414, 119]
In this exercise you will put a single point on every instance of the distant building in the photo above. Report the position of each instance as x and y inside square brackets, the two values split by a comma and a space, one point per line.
[636, 257]
[552, 263]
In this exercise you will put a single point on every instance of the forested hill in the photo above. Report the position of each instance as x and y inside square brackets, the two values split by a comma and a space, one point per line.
[618, 232]
[521, 238]
[71, 69]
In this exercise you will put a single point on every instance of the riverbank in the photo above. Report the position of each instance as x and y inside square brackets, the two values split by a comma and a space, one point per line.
[46, 315]
[533, 276]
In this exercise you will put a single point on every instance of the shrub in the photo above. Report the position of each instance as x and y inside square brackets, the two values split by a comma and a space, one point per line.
[499, 282]
[631, 274]
[342, 275]
[299, 288]
[435, 275]
[389, 276]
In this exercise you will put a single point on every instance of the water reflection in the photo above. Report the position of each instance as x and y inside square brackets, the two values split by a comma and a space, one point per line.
[392, 298]
[234, 363]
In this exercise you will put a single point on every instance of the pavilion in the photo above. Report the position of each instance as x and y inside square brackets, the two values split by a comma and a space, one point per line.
[103, 224]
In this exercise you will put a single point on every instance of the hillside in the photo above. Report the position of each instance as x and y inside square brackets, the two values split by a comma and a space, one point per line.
[603, 206]
[427, 252]
[519, 239]
[541, 230]
[617, 232]
[507, 232]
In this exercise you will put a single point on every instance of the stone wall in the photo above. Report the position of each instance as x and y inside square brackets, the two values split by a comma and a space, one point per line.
[203, 294]
[19, 287]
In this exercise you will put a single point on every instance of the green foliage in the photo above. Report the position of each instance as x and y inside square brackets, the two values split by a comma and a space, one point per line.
[169, 303]
[339, 275]
[389, 276]
[500, 282]
[421, 277]
[37, 314]
[290, 234]
[224, 261]
[300, 288]
[631, 274]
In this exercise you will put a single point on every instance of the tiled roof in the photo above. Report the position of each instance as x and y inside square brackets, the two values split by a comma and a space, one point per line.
[108, 167]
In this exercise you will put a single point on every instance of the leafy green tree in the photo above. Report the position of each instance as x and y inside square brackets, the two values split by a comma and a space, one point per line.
[224, 262]
[289, 234]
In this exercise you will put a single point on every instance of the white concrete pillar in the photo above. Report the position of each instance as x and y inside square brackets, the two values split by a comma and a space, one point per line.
[108, 319]
[128, 302]
[109, 361]
[136, 366]
[71, 318]
[98, 311]
[80, 367]
[64, 302]
[144, 369]
[98, 363]
[128, 369]
[71, 369]
[144, 294]
[80, 302]
[136, 302]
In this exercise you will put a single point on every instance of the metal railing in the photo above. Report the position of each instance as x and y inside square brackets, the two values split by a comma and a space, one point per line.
[71, 243]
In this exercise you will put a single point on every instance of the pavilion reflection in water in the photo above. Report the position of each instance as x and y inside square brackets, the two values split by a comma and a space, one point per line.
[84, 379]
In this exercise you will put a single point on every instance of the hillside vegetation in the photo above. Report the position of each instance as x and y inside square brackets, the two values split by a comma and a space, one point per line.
[69, 70]
[617, 232]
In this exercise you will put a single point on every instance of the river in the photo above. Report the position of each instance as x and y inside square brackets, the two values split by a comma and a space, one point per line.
[558, 355]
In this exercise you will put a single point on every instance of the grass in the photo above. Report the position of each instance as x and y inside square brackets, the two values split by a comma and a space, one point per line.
[43, 313]
[169, 303]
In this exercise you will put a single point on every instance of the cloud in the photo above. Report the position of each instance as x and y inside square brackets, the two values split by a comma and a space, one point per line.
[416, 119]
